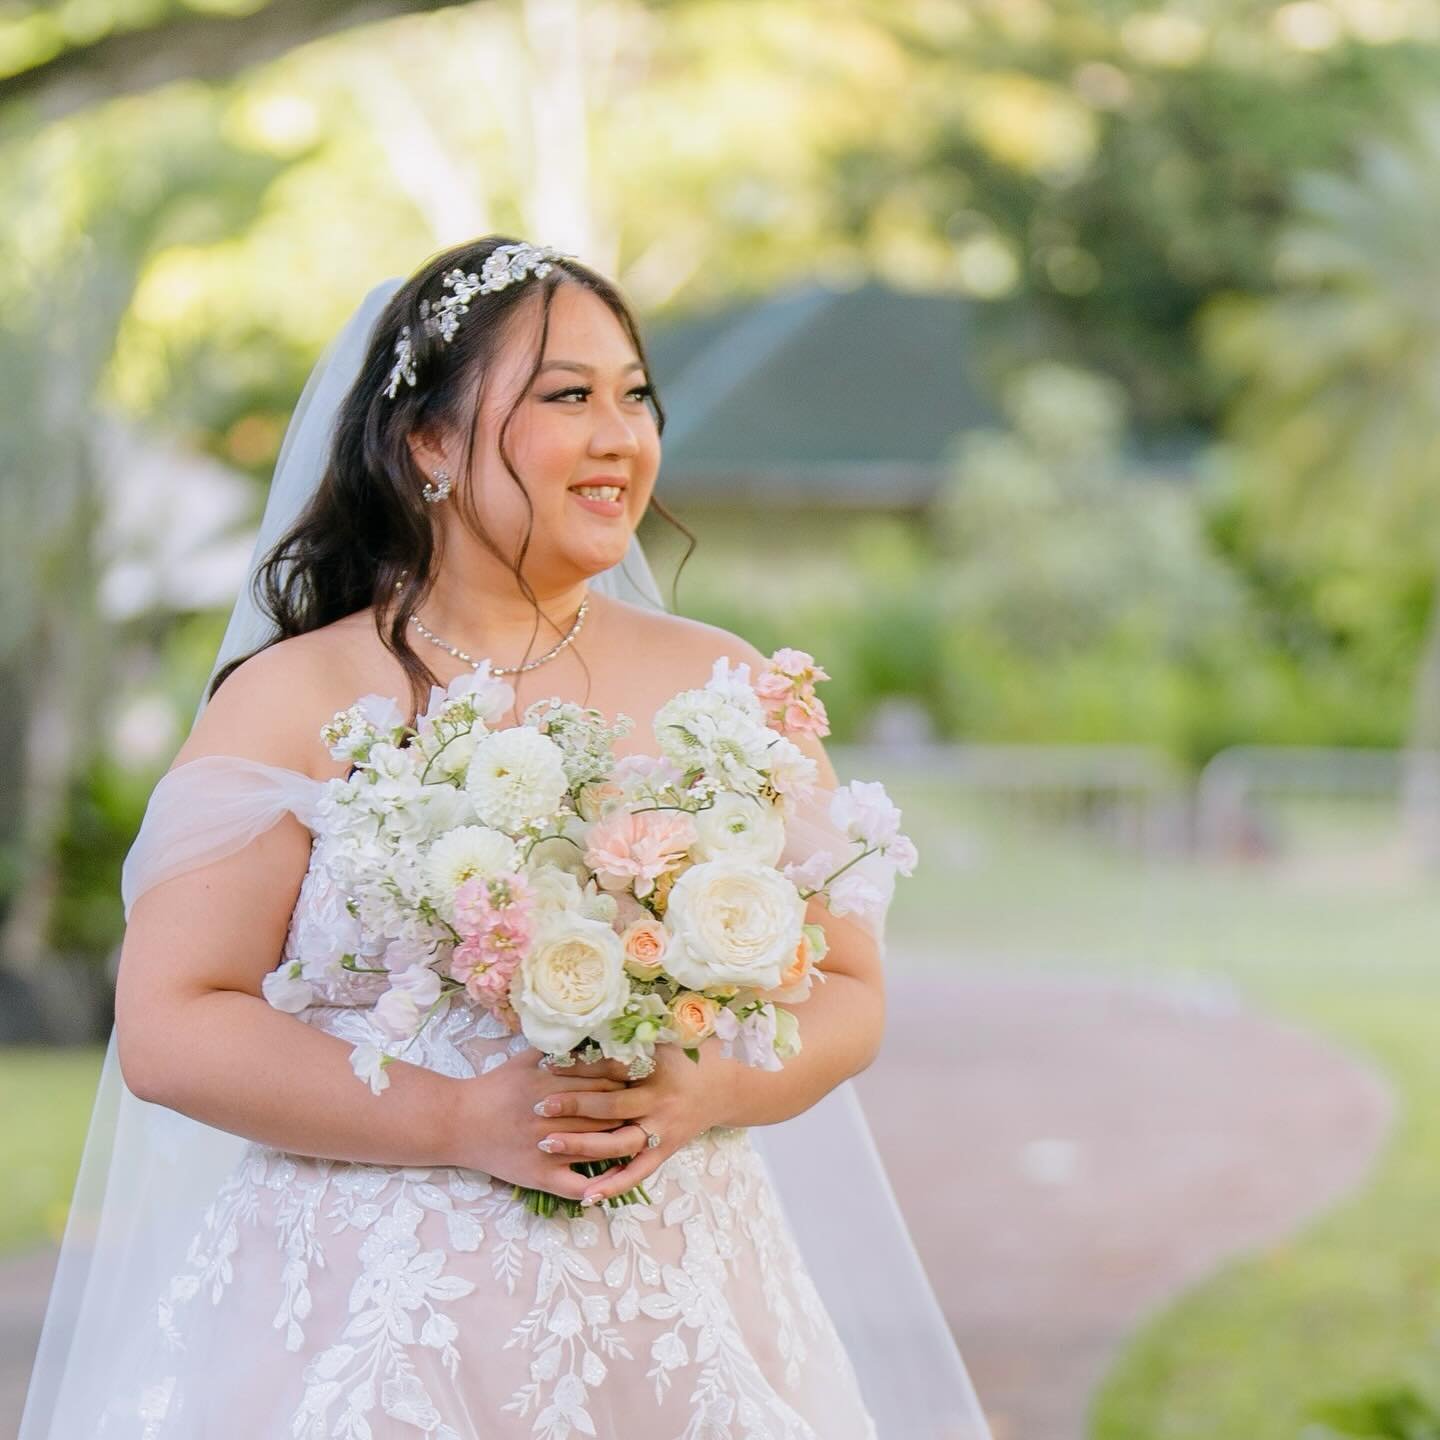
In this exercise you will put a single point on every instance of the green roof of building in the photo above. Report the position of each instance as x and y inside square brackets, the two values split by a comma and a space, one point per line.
[847, 394]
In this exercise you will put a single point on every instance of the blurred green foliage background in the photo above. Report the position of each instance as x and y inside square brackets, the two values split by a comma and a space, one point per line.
[1200, 236]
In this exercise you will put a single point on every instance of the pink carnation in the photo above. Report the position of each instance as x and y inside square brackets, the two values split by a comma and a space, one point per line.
[638, 846]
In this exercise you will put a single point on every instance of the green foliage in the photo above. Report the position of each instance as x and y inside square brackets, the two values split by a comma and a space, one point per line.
[1399, 1411]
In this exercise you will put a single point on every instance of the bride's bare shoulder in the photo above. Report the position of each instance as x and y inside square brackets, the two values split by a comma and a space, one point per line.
[684, 645]
[271, 706]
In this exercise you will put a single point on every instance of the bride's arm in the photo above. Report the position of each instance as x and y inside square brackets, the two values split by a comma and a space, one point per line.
[192, 1028]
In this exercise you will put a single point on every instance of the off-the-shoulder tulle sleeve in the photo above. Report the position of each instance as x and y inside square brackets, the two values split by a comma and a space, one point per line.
[817, 845]
[209, 808]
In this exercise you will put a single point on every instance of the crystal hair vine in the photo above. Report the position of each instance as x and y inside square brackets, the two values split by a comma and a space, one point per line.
[503, 266]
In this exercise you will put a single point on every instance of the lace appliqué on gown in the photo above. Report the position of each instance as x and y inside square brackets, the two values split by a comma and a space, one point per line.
[364, 1301]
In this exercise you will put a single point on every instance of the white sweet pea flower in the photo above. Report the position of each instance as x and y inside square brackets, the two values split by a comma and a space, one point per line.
[381, 711]
[865, 812]
[755, 1035]
[369, 1062]
[491, 696]
[516, 776]
[739, 827]
[864, 889]
[412, 992]
[571, 982]
[285, 990]
[732, 923]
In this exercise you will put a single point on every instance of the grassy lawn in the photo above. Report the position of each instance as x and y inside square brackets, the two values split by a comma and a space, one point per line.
[1337, 936]
[48, 1094]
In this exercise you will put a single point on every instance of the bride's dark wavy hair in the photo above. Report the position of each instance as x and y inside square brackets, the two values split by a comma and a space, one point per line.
[367, 527]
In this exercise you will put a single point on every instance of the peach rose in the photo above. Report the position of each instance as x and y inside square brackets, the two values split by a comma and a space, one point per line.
[644, 942]
[797, 978]
[693, 1017]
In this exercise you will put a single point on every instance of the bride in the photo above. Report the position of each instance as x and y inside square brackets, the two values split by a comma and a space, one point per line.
[261, 1246]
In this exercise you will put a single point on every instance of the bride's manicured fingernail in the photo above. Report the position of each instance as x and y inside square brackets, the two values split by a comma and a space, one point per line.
[552, 1145]
[590, 1199]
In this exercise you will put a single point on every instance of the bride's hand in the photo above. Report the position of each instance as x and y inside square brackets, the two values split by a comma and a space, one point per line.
[499, 1128]
[675, 1101]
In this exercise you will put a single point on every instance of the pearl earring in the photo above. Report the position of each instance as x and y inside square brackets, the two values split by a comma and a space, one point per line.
[434, 493]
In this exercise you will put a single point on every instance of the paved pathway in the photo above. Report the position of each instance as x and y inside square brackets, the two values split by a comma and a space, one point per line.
[1070, 1152]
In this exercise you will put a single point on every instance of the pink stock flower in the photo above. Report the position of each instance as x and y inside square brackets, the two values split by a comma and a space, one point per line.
[638, 847]
[786, 689]
[496, 916]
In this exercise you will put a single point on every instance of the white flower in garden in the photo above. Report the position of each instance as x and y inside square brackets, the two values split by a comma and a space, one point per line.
[516, 776]
[571, 983]
[412, 992]
[739, 827]
[285, 990]
[865, 812]
[368, 1062]
[732, 922]
[463, 853]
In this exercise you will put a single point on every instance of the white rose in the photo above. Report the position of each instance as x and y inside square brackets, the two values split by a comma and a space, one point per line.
[739, 827]
[570, 984]
[516, 776]
[732, 922]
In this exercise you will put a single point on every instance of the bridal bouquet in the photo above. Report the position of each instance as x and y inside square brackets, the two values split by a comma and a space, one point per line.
[599, 907]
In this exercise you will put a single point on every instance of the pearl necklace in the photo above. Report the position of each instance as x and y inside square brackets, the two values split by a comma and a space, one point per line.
[475, 664]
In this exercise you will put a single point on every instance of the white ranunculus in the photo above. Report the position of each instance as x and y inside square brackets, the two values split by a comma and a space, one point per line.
[739, 827]
[570, 984]
[732, 922]
[516, 776]
[464, 853]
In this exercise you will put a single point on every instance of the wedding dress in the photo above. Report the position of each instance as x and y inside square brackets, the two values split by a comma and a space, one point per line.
[212, 1287]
